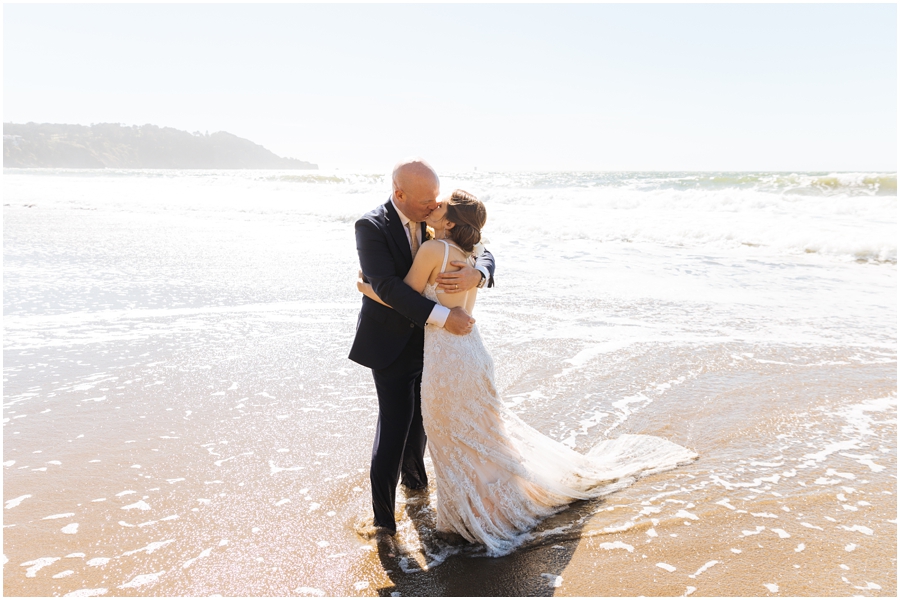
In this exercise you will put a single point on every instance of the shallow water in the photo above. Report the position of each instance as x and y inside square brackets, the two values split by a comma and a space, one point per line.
[180, 417]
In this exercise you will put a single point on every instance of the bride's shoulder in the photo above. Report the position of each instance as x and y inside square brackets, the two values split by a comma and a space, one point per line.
[432, 245]
[432, 248]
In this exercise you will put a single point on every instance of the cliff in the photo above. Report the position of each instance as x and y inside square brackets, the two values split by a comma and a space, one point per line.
[110, 145]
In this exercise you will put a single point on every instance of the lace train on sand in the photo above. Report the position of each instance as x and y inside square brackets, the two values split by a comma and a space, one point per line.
[496, 477]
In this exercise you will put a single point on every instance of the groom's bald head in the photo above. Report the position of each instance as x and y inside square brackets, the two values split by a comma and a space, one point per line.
[416, 188]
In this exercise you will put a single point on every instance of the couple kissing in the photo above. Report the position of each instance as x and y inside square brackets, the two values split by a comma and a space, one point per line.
[495, 476]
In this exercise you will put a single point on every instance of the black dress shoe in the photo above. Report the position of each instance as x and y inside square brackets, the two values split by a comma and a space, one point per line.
[385, 529]
[414, 485]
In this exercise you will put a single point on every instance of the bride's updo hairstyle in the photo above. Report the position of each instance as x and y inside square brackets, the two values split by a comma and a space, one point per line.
[468, 215]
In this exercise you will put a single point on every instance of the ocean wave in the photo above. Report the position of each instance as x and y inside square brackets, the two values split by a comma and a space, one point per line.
[749, 221]
[846, 216]
[354, 179]
[854, 184]
[823, 183]
[799, 183]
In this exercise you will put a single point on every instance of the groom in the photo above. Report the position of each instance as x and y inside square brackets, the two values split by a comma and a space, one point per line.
[390, 341]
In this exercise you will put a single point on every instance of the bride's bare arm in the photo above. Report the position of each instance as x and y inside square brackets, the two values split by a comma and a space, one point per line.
[428, 260]
[470, 300]
[366, 289]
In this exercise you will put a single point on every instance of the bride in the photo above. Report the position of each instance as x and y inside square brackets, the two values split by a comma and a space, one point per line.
[497, 477]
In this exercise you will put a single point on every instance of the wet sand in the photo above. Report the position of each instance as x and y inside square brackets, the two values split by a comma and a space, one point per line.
[190, 504]
[701, 561]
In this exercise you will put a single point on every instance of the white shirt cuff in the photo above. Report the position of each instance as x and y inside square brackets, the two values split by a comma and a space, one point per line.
[485, 272]
[438, 315]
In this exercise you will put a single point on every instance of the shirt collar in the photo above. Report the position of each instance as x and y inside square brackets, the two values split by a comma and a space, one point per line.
[403, 218]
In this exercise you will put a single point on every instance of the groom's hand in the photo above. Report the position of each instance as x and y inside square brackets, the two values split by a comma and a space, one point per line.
[459, 281]
[459, 322]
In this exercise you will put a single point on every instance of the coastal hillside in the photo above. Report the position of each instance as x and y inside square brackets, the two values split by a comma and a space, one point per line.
[111, 145]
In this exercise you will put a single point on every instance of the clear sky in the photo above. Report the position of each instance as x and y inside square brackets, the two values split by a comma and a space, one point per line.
[505, 86]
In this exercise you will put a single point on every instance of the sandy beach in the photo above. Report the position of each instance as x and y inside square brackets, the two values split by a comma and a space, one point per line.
[180, 417]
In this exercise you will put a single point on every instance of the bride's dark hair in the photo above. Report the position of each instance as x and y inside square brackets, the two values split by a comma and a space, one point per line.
[468, 215]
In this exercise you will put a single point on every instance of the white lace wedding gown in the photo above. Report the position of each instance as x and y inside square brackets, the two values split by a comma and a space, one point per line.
[496, 477]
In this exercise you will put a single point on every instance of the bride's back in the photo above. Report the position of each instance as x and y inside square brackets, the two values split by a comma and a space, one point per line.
[451, 252]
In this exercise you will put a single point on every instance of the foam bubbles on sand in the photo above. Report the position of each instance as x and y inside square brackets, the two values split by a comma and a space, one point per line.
[191, 561]
[860, 528]
[703, 568]
[683, 514]
[149, 548]
[665, 566]
[62, 574]
[309, 591]
[274, 470]
[764, 515]
[869, 586]
[724, 502]
[616, 545]
[781, 533]
[555, 581]
[142, 580]
[772, 587]
[59, 516]
[17, 501]
[98, 562]
[87, 593]
[36, 565]
[70, 529]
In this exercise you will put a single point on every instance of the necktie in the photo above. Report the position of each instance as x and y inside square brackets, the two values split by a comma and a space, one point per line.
[413, 236]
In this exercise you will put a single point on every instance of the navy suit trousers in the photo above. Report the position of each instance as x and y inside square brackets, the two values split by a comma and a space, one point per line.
[399, 447]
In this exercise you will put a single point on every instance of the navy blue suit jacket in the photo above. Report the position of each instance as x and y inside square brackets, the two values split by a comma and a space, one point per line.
[385, 259]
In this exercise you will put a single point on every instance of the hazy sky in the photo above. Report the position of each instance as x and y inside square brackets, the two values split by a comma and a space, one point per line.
[603, 87]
